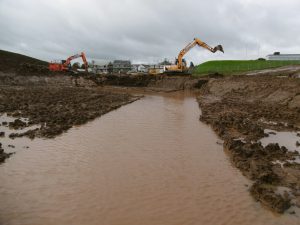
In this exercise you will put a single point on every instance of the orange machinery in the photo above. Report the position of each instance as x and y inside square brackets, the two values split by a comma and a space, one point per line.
[65, 65]
[180, 66]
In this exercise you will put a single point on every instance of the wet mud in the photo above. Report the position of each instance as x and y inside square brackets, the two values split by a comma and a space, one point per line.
[150, 82]
[240, 109]
[54, 109]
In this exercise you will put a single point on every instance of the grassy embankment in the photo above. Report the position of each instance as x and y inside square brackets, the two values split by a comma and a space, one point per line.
[227, 67]
[10, 61]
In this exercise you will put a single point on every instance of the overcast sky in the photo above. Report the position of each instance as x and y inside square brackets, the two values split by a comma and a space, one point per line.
[149, 30]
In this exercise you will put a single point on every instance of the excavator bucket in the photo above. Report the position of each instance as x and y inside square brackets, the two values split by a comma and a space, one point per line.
[219, 48]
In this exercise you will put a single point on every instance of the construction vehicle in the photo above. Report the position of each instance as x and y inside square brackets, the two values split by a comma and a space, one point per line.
[181, 65]
[65, 65]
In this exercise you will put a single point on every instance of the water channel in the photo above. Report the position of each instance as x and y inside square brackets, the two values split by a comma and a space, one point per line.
[151, 162]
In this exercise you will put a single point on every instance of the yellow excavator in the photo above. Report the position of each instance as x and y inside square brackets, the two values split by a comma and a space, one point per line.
[180, 66]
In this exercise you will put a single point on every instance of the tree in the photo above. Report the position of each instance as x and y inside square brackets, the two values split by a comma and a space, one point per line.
[75, 66]
[110, 67]
[165, 62]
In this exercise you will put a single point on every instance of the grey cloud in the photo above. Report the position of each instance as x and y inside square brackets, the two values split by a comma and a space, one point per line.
[148, 30]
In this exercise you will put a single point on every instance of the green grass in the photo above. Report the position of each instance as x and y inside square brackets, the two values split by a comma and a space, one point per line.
[237, 66]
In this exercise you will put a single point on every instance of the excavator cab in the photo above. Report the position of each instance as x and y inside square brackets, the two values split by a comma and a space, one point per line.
[183, 63]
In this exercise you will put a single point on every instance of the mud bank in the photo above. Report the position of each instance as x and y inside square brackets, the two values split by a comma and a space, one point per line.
[53, 79]
[56, 109]
[240, 109]
[155, 83]
[151, 82]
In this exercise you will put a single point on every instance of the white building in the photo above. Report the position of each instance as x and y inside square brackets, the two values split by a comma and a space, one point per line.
[285, 57]
[139, 68]
[100, 69]
[157, 69]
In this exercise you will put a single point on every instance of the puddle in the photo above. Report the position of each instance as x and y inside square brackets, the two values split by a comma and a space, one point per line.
[284, 190]
[13, 145]
[283, 138]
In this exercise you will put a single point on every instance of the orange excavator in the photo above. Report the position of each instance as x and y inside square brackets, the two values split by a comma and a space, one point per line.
[180, 65]
[65, 65]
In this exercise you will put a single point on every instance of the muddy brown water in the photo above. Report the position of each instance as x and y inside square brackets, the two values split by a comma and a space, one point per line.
[151, 162]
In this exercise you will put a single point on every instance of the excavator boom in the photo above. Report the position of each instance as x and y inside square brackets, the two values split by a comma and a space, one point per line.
[180, 66]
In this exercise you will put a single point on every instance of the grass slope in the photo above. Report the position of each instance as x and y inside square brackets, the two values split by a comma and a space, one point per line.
[236, 66]
[10, 61]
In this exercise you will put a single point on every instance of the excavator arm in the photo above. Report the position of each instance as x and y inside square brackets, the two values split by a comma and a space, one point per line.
[82, 55]
[195, 42]
[65, 65]
[84, 61]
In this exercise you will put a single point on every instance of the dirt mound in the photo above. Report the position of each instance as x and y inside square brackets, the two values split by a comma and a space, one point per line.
[268, 98]
[239, 110]
[28, 69]
[17, 124]
[12, 62]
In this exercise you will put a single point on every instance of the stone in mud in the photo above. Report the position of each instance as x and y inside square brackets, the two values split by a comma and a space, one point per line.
[17, 124]
[4, 123]
[13, 135]
[16, 114]
[2, 134]
[297, 143]
[3, 155]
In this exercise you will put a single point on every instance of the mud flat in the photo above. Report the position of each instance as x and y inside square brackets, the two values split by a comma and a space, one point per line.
[54, 109]
[57, 109]
[241, 109]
